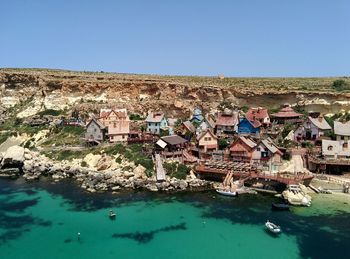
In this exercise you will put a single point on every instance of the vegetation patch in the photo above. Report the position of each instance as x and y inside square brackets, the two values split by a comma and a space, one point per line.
[51, 112]
[176, 170]
[65, 136]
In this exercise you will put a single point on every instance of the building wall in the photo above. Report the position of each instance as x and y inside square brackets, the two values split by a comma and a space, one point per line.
[247, 128]
[154, 127]
[346, 138]
[93, 131]
[207, 140]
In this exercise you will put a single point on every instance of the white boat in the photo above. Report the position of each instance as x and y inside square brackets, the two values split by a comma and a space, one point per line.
[227, 193]
[273, 228]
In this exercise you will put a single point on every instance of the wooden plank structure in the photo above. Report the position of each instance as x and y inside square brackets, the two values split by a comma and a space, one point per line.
[245, 171]
[159, 168]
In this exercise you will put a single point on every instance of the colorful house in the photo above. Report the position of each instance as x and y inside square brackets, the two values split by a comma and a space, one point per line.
[287, 115]
[247, 126]
[207, 123]
[342, 130]
[155, 122]
[207, 141]
[187, 130]
[95, 132]
[259, 114]
[197, 116]
[241, 150]
[267, 154]
[312, 129]
[226, 123]
[334, 149]
[117, 123]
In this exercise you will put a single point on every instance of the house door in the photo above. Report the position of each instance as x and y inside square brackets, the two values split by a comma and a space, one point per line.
[308, 134]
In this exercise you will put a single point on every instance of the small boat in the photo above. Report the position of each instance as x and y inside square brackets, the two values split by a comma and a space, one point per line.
[280, 206]
[112, 215]
[226, 193]
[273, 228]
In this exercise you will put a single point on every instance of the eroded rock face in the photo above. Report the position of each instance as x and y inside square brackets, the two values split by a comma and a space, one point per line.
[13, 157]
[176, 95]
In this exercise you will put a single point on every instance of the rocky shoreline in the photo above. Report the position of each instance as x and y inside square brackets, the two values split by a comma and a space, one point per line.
[18, 161]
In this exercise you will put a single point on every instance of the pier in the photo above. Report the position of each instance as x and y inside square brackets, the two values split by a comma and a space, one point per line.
[159, 168]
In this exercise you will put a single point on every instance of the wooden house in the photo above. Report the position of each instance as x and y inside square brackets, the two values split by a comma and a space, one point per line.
[287, 115]
[247, 126]
[207, 123]
[155, 122]
[95, 132]
[226, 123]
[336, 150]
[241, 150]
[312, 129]
[207, 142]
[268, 155]
[117, 123]
[342, 130]
[259, 114]
[187, 130]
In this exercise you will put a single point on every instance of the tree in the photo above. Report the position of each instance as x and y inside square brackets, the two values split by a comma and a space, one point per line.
[340, 85]
[223, 143]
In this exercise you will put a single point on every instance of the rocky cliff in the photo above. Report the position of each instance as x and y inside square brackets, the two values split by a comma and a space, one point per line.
[59, 89]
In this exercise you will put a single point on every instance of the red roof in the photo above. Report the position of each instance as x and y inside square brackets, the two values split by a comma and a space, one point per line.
[225, 119]
[256, 114]
[287, 112]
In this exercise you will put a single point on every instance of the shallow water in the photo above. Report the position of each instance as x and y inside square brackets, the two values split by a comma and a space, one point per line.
[41, 220]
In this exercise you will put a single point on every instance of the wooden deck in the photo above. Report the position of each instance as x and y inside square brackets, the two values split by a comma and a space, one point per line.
[247, 172]
[159, 168]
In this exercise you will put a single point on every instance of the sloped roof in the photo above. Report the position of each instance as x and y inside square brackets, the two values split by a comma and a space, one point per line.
[189, 126]
[320, 123]
[248, 141]
[174, 140]
[97, 122]
[121, 113]
[342, 129]
[287, 112]
[255, 123]
[227, 119]
[256, 114]
[271, 146]
[155, 117]
[205, 132]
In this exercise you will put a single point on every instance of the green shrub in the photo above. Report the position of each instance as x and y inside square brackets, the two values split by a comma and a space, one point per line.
[135, 117]
[83, 164]
[176, 170]
[50, 112]
[340, 85]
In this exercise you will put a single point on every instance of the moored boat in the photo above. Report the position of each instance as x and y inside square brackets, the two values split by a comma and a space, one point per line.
[112, 214]
[227, 193]
[280, 206]
[273, 228]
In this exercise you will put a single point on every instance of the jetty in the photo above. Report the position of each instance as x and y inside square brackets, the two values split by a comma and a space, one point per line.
[159, 168]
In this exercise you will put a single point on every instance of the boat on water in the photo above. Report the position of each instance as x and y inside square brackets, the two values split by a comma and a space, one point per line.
[227, 192]
[273, 228]
[112, 214]
[280, 206]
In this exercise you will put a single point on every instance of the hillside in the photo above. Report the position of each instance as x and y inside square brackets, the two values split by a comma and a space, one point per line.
[59, 89]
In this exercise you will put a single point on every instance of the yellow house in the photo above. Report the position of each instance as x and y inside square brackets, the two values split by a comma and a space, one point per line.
[207, 141]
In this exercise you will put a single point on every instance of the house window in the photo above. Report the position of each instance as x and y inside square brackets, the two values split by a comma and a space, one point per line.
[112, 137]
[123, 136]
[258, 149]
[114, 125]
[330, 148]
[342, 137]
[149, 124]
[345, 145]
[95, 130]
[209, 138]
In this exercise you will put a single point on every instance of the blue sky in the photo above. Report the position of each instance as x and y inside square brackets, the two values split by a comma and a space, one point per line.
[179, 37]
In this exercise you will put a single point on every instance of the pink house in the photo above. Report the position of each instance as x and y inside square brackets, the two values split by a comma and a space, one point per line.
[117, 122]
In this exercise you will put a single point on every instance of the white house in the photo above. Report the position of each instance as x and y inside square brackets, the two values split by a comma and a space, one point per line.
[312, 129]
[342, 130]
[333, 149]
[267, 154]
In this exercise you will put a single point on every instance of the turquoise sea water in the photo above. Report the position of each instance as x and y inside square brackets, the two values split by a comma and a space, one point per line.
[42, 219]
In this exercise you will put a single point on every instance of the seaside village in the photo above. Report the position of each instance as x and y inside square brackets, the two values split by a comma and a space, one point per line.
[244, 150]
[285, 151]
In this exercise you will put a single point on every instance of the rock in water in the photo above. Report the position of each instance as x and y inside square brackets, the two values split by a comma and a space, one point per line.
[14, 157]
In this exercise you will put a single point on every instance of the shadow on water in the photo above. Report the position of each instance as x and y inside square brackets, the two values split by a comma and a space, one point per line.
[323, 236]
[13, 219]
[146, 237]
[314, 240]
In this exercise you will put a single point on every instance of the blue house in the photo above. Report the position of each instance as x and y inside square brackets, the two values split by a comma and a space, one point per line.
[197, 115]
[246, 126]
[155, 122]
